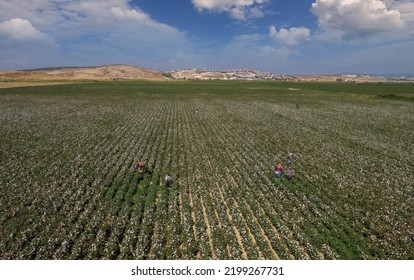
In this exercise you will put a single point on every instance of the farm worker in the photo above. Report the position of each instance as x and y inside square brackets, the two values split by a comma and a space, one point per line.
[290, 158]
[289, 173]
[141, 170]
[168, 180]
[278, 171]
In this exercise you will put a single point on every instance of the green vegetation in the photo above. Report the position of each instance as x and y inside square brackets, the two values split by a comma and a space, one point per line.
[70, 190]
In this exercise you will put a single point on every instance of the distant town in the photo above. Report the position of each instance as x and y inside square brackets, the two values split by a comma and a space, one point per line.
[252, 75]
[236, 74]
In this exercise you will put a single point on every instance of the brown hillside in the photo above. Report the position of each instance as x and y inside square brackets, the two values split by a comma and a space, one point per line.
[106, 72]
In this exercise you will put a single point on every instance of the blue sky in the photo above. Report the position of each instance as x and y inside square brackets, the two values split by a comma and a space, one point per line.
[280, 36]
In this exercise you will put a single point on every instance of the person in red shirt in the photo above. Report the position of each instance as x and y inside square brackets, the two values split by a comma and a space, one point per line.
[278, 170]
[141, 169]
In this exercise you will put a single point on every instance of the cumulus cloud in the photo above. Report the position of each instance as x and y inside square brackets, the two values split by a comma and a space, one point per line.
[75, 17]
[224, 4]
[406, 9]
[91, 31]
[238, 9]
[129, 14]
[356, 18]
[21, 30]
[290, 37]
[141, 19]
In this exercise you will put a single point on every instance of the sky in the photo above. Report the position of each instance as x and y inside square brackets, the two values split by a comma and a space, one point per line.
[279, 36]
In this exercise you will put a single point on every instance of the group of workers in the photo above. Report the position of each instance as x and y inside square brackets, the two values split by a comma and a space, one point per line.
[141, 168]
[168, 180]
[289, 172]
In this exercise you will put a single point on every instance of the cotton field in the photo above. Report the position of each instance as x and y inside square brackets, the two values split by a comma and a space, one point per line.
[70, 188]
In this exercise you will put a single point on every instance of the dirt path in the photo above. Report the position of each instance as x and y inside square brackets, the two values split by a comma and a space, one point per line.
[30, 84]
[234, 228]
[209, 234]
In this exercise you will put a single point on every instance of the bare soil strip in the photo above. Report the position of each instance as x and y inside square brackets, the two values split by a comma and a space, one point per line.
[210, 239]
[220, 224]
[192, 214]
[235, 230]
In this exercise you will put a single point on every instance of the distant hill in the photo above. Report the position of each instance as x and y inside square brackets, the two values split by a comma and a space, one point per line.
[105, 72]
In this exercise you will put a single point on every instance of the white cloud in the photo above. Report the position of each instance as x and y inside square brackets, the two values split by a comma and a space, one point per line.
[63, 18]
[141, 20]
[290, 37]
[21, 30]
[89, 32]
[129, 14]
[224, 4]
[355, 19]
[406, 9]
[238, 9]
